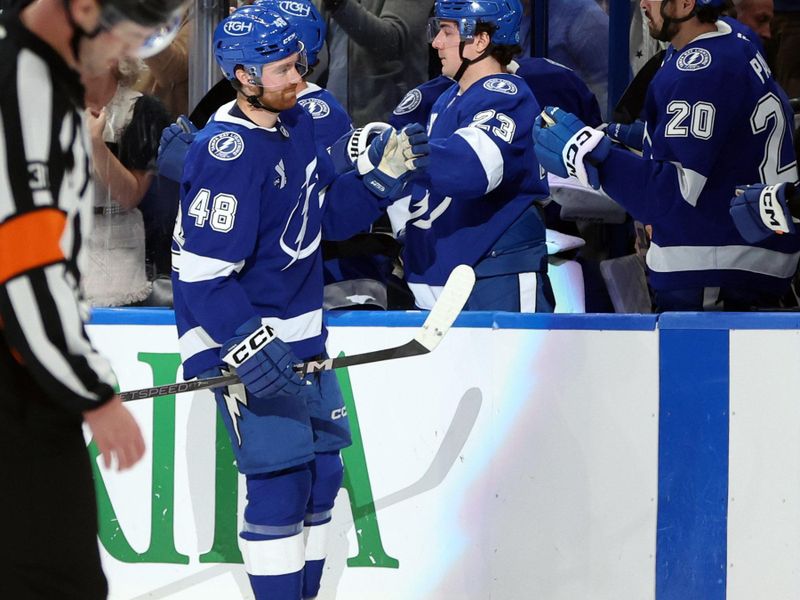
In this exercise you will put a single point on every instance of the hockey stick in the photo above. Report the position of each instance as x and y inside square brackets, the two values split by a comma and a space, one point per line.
[444, 312]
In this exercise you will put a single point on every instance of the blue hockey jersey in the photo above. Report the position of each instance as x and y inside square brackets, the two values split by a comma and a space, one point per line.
[552, 84]
[483, 178]
[255, 204]
[331, 120]
[715, 119]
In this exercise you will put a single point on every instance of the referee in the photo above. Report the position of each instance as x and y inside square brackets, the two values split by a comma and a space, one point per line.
[51, 378]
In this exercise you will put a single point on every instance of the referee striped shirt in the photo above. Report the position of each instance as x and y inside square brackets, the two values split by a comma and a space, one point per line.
[45, 213]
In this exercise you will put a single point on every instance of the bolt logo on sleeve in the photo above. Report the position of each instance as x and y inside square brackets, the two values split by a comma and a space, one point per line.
[694, 59]
[409, 103]
[317, 108]
[504, 86]
[228, 145]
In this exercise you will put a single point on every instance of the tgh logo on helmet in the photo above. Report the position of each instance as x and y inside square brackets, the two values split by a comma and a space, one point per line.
[238, 27]
[292, 7]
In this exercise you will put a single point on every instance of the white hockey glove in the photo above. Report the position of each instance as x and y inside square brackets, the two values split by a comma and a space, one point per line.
[382, 156]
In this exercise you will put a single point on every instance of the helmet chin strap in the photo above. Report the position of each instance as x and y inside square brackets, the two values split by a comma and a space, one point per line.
[78, 32]
[254, 100]
[466, 62]
[666, 21]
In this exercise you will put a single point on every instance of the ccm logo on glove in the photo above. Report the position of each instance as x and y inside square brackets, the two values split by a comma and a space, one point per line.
[250, 346]
[572, 150]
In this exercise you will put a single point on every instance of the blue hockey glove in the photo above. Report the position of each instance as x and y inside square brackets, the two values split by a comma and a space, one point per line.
[566, 146]
[172, 148]
[391, 156]
[632, 135]
[759, 210]
[262, 361]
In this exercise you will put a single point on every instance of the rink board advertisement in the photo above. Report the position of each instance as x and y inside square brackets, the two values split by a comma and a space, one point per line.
[529, 456]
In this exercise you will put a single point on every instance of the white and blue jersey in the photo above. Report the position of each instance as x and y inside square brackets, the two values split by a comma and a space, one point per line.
[484, 178]
[331, 120]
[715, 119]
[254, 208]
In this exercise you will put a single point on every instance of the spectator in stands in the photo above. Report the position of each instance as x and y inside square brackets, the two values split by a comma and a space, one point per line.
[577, 38]
[756, 14]
[376, 53]
[786, 36]
[167, 76]
[124, 129]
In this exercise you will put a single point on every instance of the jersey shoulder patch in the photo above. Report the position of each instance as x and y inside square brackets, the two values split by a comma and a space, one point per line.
[316, 107]
[226, 146]
[503, 86]
[409, 103]
[693, 59]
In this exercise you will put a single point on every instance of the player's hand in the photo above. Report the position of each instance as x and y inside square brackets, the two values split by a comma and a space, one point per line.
[567, 147]
[172, 149]
[391, 156]
[262, 361]
[760, 210]
[116, 434]
[631, 134]
[96, 124]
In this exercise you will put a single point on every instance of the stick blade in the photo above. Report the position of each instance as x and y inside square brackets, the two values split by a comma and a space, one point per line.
[448, 306]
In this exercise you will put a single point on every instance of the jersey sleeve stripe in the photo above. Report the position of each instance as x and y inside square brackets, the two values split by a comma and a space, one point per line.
[33, 84]
[30, 241]
[20, 196]
[194, 267]
[691, 183]
[45, 352]
[489, 155]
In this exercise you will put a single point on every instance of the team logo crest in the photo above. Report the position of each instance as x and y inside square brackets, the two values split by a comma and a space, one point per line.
[226, 146]
[298, 9]
[694, 59]
[237, 28]
[409, 103]
[317, 108]
[504, 86]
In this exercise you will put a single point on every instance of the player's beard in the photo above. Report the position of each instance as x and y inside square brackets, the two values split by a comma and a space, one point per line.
[280, 100]
[661, 33]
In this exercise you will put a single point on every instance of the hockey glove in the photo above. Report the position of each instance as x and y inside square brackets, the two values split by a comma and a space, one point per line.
[389, 158]
[567, 147]
[346, 150]
[262, 361]
[759, 210]
[172, 148]
[631, 135]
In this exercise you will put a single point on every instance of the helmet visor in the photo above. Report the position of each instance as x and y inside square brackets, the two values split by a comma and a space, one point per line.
[144, 40]
[283, 73]
[447, 32]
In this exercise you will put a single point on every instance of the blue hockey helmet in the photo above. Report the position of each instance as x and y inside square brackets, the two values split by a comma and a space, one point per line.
[504, 15]
[306, 20]
[252, 37]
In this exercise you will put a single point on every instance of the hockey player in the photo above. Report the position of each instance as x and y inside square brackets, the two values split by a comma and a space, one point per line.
[51, 378]
[552, 84]
[714, 117]
[257, 195]
[477, 205]
[330, 118]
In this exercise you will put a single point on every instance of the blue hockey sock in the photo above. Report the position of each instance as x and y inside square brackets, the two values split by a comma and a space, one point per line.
[272, 540]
